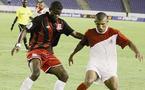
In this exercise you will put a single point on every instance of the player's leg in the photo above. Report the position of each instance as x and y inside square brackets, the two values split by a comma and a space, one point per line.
[35, 72]
[35, 68]
[23, 27]
[112, 83]
[62, 76]
[25, 43]
[25, 39]
[90, 77]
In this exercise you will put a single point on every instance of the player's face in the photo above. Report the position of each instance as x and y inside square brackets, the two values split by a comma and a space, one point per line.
[24, 3]
[55, 11]
[101, 24]
[40, 6]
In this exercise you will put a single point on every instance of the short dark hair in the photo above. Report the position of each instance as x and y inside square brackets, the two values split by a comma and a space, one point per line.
[24, 0]
[40, 1]
[101, 15]
[56, 5]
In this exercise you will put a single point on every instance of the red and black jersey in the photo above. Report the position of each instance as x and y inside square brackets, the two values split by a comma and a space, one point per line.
[45, 31]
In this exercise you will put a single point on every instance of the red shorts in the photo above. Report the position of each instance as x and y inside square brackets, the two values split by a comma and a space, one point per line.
[47, 59]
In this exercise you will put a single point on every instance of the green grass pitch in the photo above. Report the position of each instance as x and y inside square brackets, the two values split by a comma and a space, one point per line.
[14, 69]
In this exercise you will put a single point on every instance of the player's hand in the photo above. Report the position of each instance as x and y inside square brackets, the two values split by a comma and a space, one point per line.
[15, 49]
[139, 57]
[12, 28]
[70, 60]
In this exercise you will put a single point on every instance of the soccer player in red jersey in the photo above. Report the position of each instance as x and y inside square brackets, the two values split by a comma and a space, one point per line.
[103, 57]
[45, 31]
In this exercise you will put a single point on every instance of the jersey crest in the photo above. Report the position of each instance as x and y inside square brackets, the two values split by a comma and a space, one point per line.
[58, 27]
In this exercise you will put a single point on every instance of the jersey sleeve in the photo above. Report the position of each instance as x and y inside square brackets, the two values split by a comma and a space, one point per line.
[67, 30]
[30, 13]
[17, 12]
[122, 40]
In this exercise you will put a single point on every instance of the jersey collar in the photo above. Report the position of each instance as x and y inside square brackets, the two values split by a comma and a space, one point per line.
[103, 32]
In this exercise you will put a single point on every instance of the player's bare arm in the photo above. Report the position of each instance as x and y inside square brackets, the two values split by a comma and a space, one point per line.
[15, 20]
[138, 55]
[18, 44]
[77, 49]
[77, 35]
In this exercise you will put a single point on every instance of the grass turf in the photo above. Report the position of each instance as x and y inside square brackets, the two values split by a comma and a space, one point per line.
[14, 69]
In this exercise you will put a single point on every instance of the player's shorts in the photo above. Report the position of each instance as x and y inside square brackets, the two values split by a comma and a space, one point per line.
[21, 27]
[46, 58]
[104, 72]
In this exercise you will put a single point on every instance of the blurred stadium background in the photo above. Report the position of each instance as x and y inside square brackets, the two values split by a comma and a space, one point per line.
[126, 15]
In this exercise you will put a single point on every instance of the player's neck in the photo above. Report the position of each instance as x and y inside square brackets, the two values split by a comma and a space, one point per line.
[102, 32]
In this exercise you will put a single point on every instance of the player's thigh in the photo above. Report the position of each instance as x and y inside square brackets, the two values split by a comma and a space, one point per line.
[34, 65]
[21, 27]
[91, 76]
[112, 83]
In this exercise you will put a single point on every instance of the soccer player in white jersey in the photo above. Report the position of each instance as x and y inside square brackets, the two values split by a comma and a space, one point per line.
[40, 8]
[103, 57]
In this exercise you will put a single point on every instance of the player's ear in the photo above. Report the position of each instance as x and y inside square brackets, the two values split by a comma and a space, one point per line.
[107, 19]
[94, 21]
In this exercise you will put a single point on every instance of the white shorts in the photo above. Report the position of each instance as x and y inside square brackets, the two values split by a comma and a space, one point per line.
[104, 72]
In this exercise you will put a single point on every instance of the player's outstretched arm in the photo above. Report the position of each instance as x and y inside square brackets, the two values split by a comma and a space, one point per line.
[77, 35]
[138, 55]
[77, 49]
[18, 44]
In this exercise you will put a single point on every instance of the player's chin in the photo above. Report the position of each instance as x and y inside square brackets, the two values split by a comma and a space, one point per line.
[100, 30]
[57, 14]
[41, 8]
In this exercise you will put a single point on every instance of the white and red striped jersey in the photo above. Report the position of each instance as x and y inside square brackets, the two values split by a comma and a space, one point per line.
[103, 55]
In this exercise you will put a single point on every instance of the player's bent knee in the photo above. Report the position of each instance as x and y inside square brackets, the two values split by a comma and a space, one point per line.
[35, 75]
[89, 82]
[64, 77]
[114, 87]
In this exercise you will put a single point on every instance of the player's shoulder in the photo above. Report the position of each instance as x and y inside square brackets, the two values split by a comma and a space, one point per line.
[113, 30]
[91, 30]
[19, 8]
[28, 9]
[38, 18]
